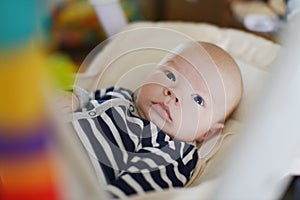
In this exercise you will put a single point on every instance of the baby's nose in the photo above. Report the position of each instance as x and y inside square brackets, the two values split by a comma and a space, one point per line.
[169, 93]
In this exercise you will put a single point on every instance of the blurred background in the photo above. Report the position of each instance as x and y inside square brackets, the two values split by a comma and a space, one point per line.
[42, 45]
[74, 29]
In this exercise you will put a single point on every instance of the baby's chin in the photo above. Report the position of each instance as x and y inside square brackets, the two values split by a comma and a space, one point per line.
[156, 119]
[160, 122]
[165, 127]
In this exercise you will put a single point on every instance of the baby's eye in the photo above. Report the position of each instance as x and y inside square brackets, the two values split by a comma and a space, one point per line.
[198, 99]
[170, 75]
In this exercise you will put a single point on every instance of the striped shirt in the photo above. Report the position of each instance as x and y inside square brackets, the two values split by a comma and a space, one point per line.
[130, 154]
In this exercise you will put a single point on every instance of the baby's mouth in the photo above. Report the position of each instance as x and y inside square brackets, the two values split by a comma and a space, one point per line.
[162, 110]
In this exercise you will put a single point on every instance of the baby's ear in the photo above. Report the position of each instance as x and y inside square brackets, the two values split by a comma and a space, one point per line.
[214, 130]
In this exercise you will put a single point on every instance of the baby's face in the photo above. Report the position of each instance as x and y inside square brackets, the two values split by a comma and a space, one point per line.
[178, 99]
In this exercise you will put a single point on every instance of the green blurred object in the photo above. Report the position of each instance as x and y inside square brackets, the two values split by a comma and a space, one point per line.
[62, 70]
[132, 10]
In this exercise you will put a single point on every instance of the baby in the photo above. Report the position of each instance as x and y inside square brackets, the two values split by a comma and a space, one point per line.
[146, 140]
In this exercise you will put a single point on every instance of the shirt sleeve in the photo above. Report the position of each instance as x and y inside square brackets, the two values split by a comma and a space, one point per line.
[100, 95]
[82, 95]
[111, 93]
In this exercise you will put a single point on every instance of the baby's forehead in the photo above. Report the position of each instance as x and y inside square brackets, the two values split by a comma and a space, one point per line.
[199, 63]
[193, 54]
[201, 59]
[199, 67]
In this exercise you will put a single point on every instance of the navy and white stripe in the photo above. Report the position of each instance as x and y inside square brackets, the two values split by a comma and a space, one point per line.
[130, 153]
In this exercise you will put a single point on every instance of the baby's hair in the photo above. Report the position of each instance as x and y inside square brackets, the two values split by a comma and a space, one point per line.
[223, 60]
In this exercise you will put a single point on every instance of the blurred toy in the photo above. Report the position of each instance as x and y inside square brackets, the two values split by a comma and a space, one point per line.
[75, 28]
[270, 8]
[260, 16]
[62, 70]
[75, 25]
[28, 164]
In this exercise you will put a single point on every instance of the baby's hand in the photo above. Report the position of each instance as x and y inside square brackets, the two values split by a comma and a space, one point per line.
[68, 103]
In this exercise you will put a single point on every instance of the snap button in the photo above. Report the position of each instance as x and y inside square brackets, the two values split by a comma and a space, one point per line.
[131, 108]
[92, 113]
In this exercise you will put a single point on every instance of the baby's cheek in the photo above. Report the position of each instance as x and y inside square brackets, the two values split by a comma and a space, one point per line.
[198, 120]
